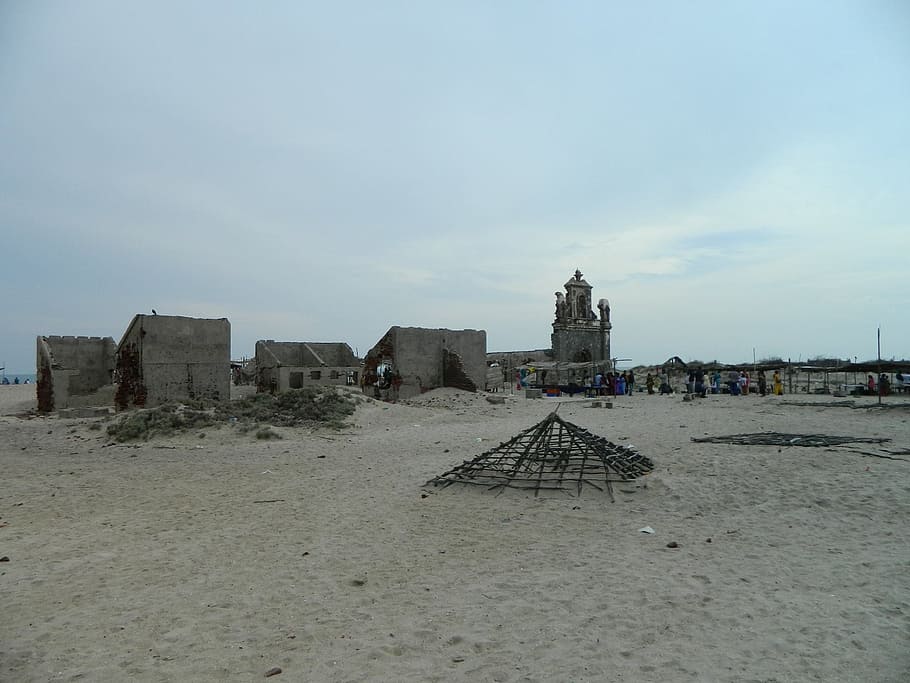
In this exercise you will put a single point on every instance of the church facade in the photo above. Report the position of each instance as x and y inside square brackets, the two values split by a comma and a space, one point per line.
[580, 335]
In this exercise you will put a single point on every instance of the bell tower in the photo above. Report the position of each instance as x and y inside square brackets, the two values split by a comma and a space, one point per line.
[580, 336]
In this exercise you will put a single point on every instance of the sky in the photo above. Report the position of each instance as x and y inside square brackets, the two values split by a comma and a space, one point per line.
[733, 176]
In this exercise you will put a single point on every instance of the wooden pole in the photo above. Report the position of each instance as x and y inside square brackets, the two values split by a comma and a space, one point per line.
[879, 335]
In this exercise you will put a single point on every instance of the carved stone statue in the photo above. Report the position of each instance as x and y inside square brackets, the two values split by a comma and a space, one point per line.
[561, 308]
[604, 307]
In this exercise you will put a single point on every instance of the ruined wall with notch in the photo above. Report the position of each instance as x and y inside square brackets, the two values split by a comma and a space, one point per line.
[69, 366]
[430, 358]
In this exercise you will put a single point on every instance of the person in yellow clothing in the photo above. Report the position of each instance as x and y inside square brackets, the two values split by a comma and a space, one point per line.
[778, 385]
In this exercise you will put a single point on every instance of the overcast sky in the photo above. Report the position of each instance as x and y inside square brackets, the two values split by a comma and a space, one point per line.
[730, 175]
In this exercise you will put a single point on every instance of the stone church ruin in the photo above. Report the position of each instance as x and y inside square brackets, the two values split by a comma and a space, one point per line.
[580, 345]
[580, 336]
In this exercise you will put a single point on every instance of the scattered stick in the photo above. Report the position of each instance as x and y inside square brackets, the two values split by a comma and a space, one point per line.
[779, 439]
[876, 455]
[272, 500]
[819, 404]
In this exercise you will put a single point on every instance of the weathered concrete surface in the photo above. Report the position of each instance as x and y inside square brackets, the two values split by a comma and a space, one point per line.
[293, 365]
[170, 358]
[69, 366]
[420, 359]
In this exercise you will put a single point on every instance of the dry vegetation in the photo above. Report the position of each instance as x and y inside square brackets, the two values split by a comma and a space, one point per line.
[309, 407]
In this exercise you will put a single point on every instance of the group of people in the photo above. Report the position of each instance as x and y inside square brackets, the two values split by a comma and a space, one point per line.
[614, 384]
[884, 384]
[652, 380]
[738, 382]
[15, 381]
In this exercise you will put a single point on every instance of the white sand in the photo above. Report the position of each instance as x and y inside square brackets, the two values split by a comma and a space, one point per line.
[156, 563]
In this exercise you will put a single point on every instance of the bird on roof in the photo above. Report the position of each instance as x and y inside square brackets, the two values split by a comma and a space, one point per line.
[154, 312]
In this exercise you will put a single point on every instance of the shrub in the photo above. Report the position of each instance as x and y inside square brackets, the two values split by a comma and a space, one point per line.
[314, 407]
[267, 433]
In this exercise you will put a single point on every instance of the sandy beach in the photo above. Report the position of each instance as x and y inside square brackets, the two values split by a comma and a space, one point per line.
[218, 557]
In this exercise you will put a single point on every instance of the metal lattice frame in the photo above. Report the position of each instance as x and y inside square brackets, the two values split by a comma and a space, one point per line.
[551, 455]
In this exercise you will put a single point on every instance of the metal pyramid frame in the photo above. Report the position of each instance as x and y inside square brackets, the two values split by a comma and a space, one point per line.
[551, 455]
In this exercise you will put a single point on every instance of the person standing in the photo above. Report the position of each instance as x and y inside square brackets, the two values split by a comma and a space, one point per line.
[630, 382]
[762, 383]
[621, 384]
[778, 384]
[733, 381]
[884, 385]
[649, 383]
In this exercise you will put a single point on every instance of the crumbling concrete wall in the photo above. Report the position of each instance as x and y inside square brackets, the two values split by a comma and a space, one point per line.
[72, 366]
[282, 366]
[173, 358]
[419, 359]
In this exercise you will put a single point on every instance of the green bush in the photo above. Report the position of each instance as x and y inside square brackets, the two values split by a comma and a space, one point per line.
[267, 433]
[160, 421]
[299, 407]
[313, 407]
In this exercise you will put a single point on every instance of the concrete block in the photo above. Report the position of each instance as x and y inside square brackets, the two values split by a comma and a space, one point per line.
[533, 393]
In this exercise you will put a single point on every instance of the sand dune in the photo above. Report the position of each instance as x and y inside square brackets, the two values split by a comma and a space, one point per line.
[218, 558]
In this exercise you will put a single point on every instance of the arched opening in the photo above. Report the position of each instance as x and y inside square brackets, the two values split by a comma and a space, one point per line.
[583, 356]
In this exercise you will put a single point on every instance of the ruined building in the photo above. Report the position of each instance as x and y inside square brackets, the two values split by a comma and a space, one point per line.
[171, 358]
[293, 365]
[70, 367]
[580, 336]
[410, 360]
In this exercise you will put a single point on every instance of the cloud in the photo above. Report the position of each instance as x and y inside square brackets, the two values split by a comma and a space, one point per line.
[727, 181]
